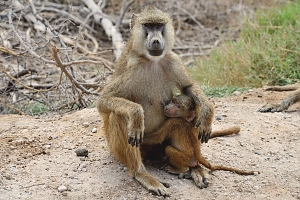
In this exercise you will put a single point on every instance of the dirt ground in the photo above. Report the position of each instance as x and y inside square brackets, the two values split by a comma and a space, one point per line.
[38, 159]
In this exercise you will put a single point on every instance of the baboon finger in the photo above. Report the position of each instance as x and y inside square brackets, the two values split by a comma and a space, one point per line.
[167, 185]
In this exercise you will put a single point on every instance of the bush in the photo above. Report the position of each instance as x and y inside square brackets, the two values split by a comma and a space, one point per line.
[267, 52]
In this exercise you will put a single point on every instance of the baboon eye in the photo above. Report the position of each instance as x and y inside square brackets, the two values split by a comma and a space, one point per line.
[178, 106]
[173, 101]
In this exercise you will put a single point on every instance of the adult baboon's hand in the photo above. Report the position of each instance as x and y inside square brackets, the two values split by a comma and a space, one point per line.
[204, 133]
[136, 126]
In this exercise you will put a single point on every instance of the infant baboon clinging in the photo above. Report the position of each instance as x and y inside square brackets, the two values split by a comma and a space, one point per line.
[285, 103]
[132, 103]
[183, 150]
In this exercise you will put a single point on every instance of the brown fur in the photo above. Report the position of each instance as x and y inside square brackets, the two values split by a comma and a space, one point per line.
[285, 103]
[131, 104]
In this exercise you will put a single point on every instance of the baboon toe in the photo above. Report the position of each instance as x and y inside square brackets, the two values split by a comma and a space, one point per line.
[200, 177]
[270, 108]
[151, 184]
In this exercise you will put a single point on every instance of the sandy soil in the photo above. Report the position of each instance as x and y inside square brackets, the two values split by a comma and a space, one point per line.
[37, 156]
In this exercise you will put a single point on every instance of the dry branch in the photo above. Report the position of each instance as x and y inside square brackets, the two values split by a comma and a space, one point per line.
[110, 30]
[63, 66]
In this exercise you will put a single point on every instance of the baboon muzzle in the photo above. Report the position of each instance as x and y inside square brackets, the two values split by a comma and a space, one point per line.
[155, 45]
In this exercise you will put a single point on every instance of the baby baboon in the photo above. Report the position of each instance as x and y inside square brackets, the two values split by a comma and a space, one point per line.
[286, 103]
[183, 106]
[183, 150]
[145, 77]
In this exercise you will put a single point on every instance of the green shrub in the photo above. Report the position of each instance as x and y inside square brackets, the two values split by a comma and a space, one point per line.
[267, 52]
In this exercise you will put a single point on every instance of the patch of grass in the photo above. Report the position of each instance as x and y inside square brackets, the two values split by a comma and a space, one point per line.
[267, 52]
[35, 108]
[222, 91]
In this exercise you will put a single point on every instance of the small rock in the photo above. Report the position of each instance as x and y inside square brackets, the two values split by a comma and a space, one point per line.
[85, 124]
[12, 147]
[237, 93]
[47, 146]
[255, 173]
[218, 118]
[94, 130]
[81, 152]
[62, 188]
[55, 137]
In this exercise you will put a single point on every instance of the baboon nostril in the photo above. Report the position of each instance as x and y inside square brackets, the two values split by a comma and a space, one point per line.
[155, 42]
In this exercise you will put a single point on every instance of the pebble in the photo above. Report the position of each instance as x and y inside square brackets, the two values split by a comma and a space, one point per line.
[81, 152]
[256, 187]
[218, 118]
[47, 146]
[12, 147]
[255, 173]
[85, 124]
[94, 130]
[62, 188]
[237, 93]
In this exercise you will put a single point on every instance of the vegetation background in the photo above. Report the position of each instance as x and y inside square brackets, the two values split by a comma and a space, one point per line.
[227, 45]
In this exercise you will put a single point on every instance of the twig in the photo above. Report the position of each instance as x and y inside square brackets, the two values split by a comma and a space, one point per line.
[63, 66]
[109, 28]
[93, 40]
[16, 80]
[13, 108]
[8, 51]
[123, 10]
[72, 17]
[21, 41]
[194, 19]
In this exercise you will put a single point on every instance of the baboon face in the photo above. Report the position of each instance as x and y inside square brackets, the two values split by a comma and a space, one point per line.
[155, 38]
[152, 33]
[181, 106]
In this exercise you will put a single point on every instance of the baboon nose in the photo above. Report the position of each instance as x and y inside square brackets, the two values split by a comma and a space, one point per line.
[156, 44]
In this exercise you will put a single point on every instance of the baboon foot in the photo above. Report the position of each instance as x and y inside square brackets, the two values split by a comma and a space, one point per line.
[173, 170]
[271, 108]
[200, 176]
[151, 184]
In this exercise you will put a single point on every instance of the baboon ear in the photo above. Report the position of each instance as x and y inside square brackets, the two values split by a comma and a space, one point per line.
[133, 18]
[191, 117]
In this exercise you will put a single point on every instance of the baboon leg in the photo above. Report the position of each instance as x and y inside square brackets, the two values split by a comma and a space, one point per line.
[178, 161]
[284, 105]
[200, 176]
[130, 156]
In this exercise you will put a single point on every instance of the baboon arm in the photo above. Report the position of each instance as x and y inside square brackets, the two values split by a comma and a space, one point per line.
[132, 113]
[204, 108]
[204, 111]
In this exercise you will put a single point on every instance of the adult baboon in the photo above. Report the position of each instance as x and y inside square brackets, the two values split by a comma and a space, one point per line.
[145, 78]
[285, 103]
[183, 149]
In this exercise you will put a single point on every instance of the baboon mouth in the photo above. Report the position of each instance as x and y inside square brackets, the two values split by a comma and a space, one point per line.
[156, 52]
